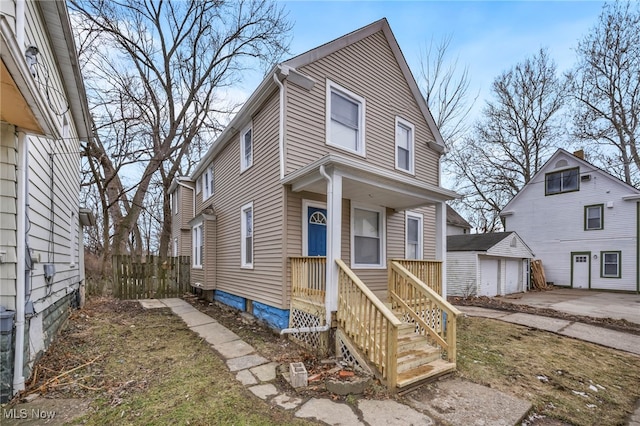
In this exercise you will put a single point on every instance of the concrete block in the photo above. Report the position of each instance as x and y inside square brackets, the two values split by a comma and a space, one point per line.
[298, 374]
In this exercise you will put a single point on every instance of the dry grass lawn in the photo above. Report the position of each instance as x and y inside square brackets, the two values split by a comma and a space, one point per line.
[574, 381]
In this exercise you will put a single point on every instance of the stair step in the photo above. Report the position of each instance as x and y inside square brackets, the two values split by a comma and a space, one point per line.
[413, 341]
[428, 371]
[413, 359]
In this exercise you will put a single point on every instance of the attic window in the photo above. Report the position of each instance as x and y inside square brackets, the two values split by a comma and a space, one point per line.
[514, 242]
[562, 181]
[561, 163]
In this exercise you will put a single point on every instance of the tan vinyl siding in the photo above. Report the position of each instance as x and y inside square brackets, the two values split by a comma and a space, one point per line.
[259, 184]
[209, 255]
[180, 228]
[368, 69]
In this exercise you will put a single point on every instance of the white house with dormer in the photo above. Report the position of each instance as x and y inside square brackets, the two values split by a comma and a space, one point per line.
[582, 222]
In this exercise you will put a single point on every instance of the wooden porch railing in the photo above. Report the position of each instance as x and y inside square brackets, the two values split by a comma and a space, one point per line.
[434, 316]
[427, 271]
[308, 278]
[368, 322]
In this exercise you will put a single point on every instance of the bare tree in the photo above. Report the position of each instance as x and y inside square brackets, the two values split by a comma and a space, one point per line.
[518, 130]
[445, 89]
[155, 73]
[606, 86]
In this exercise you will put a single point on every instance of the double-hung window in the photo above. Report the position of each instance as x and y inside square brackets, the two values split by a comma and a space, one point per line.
[610, 264]
[367, 237]
[593, 217]
[404, 145]
[246, 228]
[174, 201]
[208, 181]
[562, 181]
[345, 119]
[198, 245]
[413, 232]
[246, 149]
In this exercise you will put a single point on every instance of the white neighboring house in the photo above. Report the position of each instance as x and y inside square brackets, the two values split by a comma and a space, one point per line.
[582, 222]
[43, 115]
[490, 265]
[456, 224]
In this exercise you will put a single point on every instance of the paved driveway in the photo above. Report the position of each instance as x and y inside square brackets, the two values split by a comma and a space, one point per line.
[591, 303]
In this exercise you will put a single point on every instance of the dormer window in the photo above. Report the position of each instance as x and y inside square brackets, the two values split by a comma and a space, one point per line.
[562, 181]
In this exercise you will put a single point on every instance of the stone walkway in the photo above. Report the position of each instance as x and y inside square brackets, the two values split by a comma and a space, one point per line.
[258, 374]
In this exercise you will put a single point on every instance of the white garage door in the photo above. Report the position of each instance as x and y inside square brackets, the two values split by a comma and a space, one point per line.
[488, 277]
[513, 276]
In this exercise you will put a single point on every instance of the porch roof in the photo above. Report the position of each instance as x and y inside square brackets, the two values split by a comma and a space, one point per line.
[368, 184]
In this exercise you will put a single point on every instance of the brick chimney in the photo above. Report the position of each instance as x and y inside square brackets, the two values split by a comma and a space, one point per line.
[579, 153]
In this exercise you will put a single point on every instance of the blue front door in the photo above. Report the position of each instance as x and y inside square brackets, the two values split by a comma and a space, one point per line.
[317, 231]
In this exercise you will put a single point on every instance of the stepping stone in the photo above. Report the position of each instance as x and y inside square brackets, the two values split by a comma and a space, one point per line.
[264, 391]
[265, 373]
[287, 402]
[246, 378]
[151, 304]
[234, 349]
[329, 412]
[215, 333]
[391, 413]
[245, 362]
[196, 318]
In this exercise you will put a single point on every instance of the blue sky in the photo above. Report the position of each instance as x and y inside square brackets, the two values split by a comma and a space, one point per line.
[487, 36]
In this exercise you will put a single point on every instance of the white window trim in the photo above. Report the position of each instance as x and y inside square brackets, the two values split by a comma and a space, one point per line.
[243, 230]
[175, 206]
[412, 146]
[209, 180]
[195, 245]
[199, 185]
[331, 86]
[420, 218]
[175, 247]
[244, 166]
[383, 236]
[305, 222]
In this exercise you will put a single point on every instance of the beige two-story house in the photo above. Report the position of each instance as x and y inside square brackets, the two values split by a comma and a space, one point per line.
[329, 172]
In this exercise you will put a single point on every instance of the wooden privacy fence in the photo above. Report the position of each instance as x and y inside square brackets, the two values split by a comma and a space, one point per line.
[150, 278]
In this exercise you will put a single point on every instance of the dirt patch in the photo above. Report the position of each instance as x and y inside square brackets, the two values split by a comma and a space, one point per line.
[505, 305]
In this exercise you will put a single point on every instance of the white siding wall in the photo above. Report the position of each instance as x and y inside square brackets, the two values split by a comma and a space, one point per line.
[553, 227]
[8, 222]
[462, 267]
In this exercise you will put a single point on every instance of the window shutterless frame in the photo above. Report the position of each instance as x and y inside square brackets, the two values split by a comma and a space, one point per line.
[368, 237]
[247, 236]
[405, 146]
[246, 148]
[594, 217]
[610, 264]
[345, 119]
[562, 181]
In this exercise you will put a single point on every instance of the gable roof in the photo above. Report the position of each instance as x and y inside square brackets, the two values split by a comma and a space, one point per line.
[287, 69]
[360, 34]
[582, 162]
[475, 242]
[454, 218]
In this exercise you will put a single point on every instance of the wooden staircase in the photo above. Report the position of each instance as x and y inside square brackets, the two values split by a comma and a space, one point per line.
[417, 359]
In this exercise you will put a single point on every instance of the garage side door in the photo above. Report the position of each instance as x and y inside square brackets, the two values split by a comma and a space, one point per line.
[513, 276]
[489, 273]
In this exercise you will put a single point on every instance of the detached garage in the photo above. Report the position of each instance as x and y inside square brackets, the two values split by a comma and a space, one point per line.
[487, 264]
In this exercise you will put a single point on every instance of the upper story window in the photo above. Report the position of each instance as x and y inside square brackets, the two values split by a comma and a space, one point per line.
[174, 201]
[246, 149]
[199, 185]
[367, 237]
[562, 181]
[208, 181]
[413, 232]
[405, 152]
[345, 119]
[593, 217]
[246, 229]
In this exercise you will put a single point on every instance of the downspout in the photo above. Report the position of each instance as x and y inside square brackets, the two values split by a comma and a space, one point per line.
[328, 275]
[20, 23]
[23, 175]
[281, 124]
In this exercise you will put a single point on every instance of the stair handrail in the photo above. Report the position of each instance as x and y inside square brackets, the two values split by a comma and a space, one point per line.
[386, 362]
[439, 301]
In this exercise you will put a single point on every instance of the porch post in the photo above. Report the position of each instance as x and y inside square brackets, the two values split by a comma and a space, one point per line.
[441, 242]
[334, 237]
